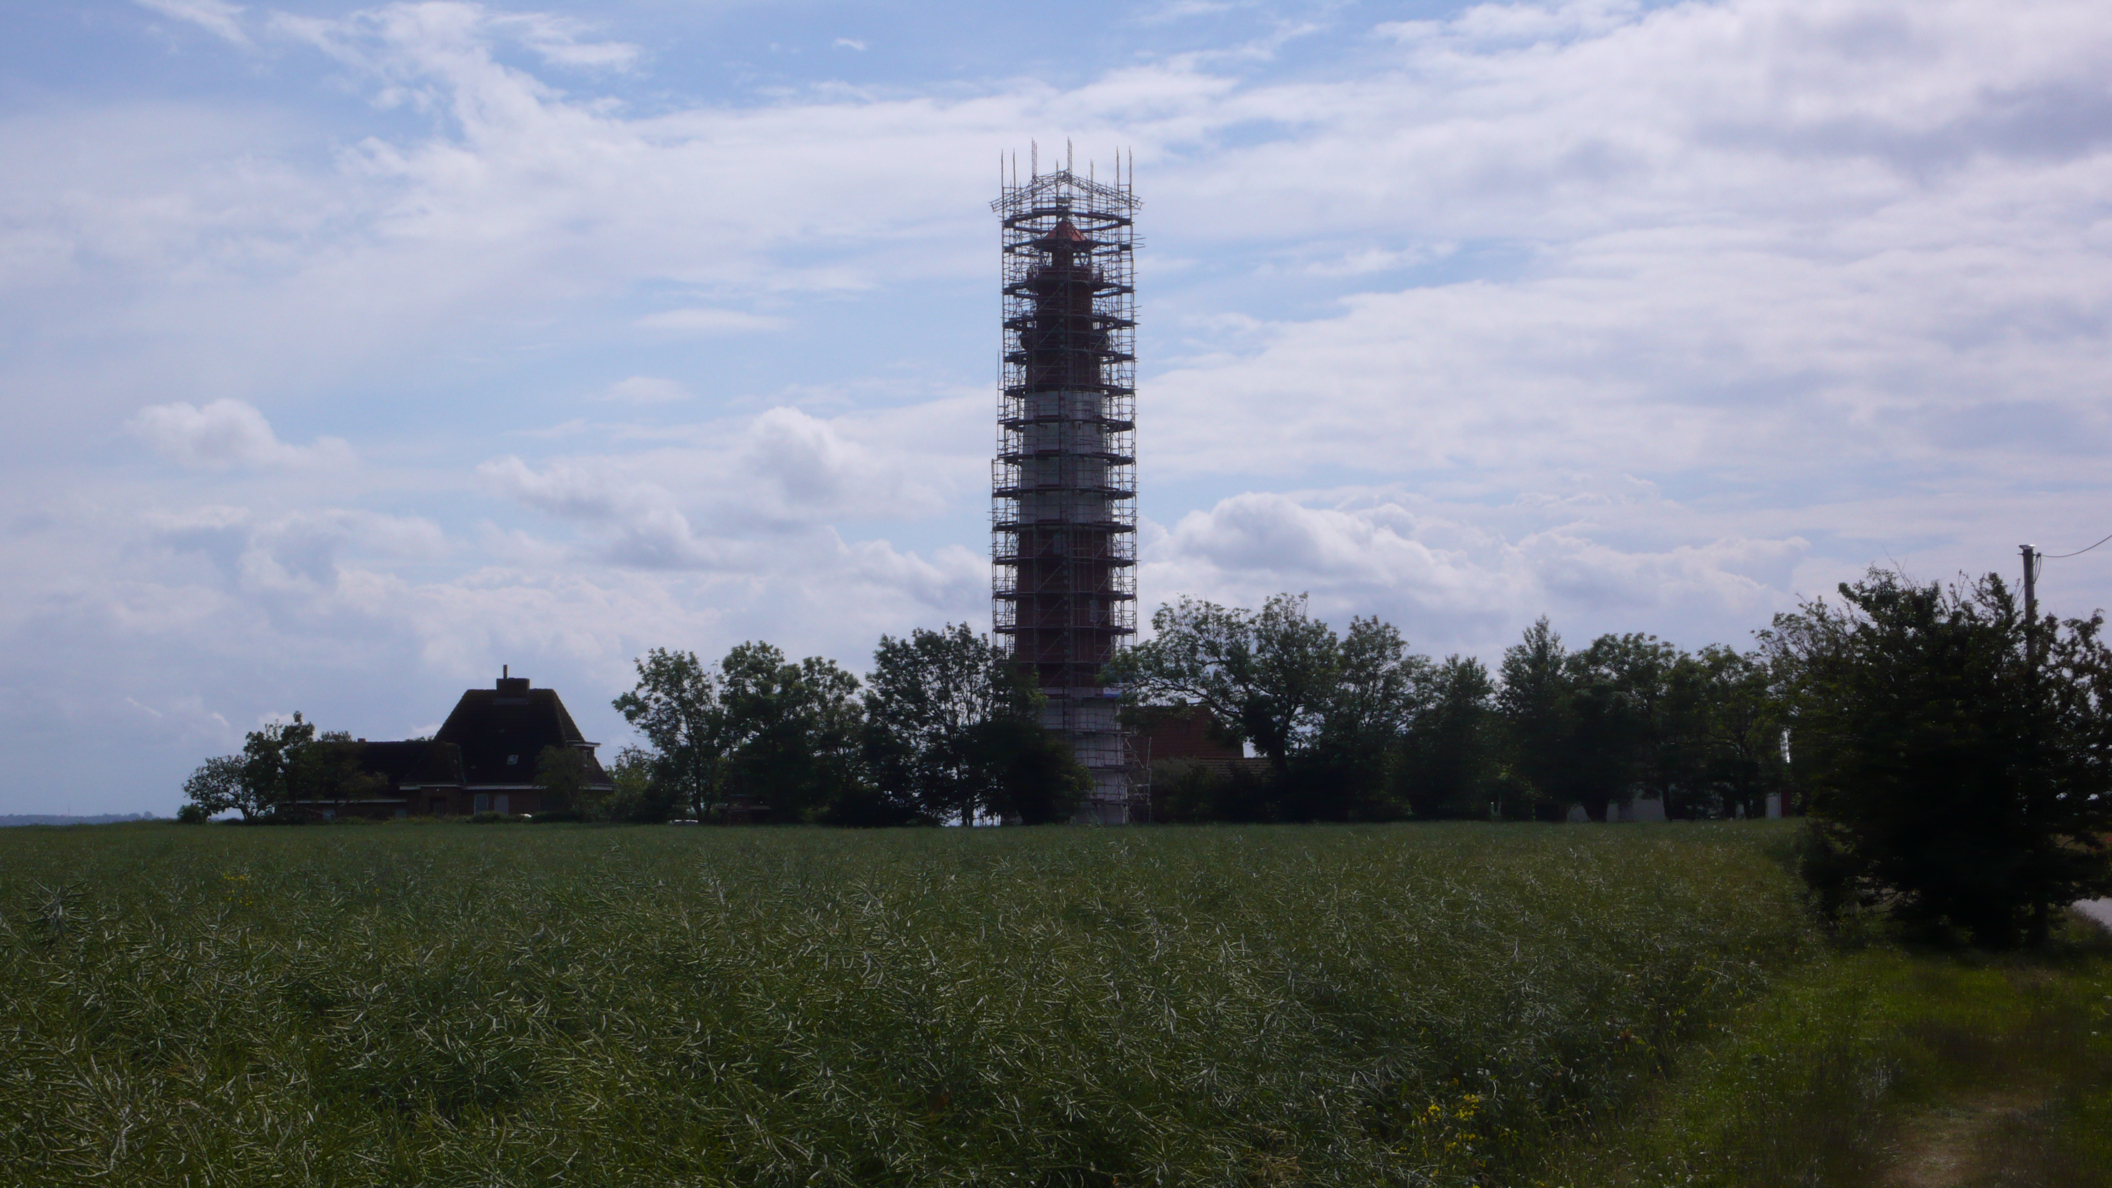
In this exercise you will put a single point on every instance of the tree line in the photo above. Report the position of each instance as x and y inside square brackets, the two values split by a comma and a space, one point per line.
[1353, 726]
[945, 728]
[1954, 751]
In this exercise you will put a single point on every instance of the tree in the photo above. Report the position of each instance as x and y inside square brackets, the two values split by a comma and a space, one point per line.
[1449, 755]
[1027, 773]
[634, 793]
[1343, 770]
[329, 768]
[214, 788]
[675, 705]
[754, 730]
[270, 757]
[1954, 755]
[1326, 712]
[930, 704]
[1537, 701]
[565, 777]
[1267, 677]
[791, 731]
[1723, 733]
[1617, 690]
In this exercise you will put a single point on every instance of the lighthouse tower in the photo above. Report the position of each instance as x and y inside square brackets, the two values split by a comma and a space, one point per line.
[1063, 486]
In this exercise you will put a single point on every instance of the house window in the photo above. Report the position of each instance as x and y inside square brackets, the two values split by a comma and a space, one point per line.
[511, 760]
[483, 802]
[499, 803]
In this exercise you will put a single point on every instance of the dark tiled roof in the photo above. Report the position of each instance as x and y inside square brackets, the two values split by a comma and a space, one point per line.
[501, 730]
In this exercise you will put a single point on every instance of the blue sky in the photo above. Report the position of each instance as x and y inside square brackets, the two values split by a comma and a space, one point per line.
[352, 351]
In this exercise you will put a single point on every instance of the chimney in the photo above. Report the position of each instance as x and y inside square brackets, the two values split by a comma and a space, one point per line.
[511, 686]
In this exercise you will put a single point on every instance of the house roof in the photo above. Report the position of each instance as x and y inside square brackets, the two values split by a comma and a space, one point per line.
[502, 729]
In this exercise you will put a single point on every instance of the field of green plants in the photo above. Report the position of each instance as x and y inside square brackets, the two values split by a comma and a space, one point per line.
[454, 1004]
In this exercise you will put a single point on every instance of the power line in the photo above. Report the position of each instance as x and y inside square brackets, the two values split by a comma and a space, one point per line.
[2077, 553]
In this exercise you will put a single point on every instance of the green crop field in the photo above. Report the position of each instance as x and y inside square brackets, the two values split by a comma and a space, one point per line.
[1410, 1004]
[453, 1004]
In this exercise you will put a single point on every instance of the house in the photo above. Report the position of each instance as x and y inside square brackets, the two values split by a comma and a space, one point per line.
[500, 731]
[482, 760]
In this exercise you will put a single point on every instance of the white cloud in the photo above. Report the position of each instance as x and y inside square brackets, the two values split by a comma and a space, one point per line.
[813, 469]
[781, 472]
[1457, 576]
[702, 320]
[562, 41]
[226, 433]
[570, 491]
[187, 715]
[304, 551]
[217, 16]
[644, 389]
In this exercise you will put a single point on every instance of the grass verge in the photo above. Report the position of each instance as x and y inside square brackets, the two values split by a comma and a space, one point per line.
[1887, 1064]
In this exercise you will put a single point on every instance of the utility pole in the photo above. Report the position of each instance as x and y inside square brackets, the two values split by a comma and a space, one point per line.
[2031, 581]
[2032, 557]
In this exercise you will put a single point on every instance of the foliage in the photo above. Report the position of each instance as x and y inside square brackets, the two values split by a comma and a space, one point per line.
[791, 731]
[566, 777]
[265, 776]
[1596, 727]
[1722, 748]
[1451, 751]
[952, 732]
[675, 705]
[1537, 701]
[632, 794]
[1431, 1005]
[754, 732]
[1342, 771]
[271, 755]
[1267, 676]
[214, 788]
[1955, 754]
[1323, 710]
[1357, 727]
[328, 769]
[1189, 793]
[1617, 697]
[1030, 775]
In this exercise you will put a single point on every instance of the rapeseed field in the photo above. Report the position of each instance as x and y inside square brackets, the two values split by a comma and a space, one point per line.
[447, 1004]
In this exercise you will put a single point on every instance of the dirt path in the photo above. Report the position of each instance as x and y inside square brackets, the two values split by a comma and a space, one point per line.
[1959, 1144]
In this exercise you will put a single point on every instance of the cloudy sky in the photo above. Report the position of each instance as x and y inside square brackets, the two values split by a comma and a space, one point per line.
[351, 352]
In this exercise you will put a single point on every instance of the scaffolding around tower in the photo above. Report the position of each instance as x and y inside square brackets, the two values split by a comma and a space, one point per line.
[1063, 486]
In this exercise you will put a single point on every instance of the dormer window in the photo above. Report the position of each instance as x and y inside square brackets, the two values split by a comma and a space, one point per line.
[512, 760]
